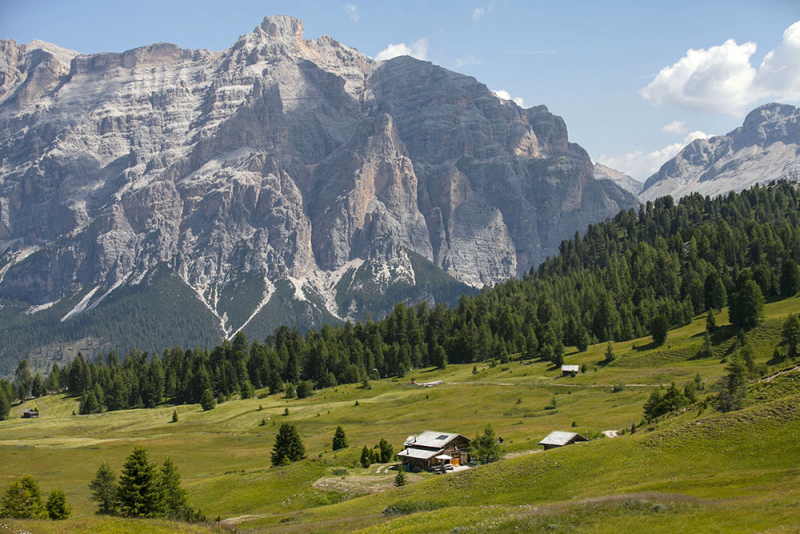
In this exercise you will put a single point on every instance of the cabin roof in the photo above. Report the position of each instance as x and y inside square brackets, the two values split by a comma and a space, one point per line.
[431, 439]
[419, 454]
[559, 438]
[570, 368]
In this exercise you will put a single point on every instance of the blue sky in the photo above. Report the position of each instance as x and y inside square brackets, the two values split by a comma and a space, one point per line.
[588, 61]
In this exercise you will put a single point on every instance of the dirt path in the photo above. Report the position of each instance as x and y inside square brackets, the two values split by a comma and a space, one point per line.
[779, 373]
[521, 453]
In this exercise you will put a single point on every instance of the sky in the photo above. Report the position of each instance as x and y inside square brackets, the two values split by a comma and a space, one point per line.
[634, 80]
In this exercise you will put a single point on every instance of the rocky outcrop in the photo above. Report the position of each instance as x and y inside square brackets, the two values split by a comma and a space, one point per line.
[282, 162]
[765, 148]
[631, 185]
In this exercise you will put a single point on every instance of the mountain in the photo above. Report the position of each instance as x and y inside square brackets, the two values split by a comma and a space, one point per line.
[281, 181]
[633, 186]
[765, 148]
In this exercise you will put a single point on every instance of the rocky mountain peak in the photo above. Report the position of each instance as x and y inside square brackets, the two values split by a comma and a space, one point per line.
[762, 150]
[283, 28]
[279, 174]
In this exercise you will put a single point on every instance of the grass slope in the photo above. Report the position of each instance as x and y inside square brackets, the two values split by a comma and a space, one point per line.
[701, 470]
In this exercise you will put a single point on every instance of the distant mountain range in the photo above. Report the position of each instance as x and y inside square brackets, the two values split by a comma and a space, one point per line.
[164, 196]
[765, 148]
[633, 186]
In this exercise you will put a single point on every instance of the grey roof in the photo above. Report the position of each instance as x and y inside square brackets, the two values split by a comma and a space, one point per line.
[419, 454]
[558, 438]
[571, 368]
[431, 439]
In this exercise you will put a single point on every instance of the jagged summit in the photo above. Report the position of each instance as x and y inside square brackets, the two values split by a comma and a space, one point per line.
[282, 27]
[765, 148]
[281, 180]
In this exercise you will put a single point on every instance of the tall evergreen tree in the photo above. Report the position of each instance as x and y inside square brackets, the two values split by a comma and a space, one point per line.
[747, 306]
[57, 506]
[339, 439]
[138, 493]
[22, 499]
[485, 448]
[104, 489]
[173, 496]
[288, 446]
[790, 335]
[790, 278]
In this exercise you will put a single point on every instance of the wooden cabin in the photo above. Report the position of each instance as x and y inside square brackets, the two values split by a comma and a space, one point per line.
[570, 370]
[30, 414]
[557, 439]
[431, 449]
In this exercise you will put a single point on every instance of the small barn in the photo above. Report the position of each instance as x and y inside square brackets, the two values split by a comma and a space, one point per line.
[570, 370]
[30, 414]
[557, 438]
[429, 449]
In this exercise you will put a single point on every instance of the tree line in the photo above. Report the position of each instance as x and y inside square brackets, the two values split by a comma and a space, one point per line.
[640, 273]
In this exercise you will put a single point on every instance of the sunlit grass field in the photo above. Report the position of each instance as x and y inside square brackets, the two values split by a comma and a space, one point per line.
[695, 470]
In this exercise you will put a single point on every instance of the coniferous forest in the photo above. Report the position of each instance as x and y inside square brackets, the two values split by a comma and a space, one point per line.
[638, 274]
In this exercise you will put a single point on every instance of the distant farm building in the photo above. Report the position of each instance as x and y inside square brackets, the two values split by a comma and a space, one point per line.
[431, 449]
[30, 414]
[570, 370]
[560, 439]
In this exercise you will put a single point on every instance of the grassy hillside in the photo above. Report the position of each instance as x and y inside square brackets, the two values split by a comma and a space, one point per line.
[696, 469]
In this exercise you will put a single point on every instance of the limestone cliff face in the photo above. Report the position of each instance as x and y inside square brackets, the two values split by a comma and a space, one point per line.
[765, 148]
[278, 159]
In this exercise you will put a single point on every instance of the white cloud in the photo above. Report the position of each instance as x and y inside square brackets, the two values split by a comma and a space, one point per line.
[505, 95]
[675, 127]
[641, 165]
[477, 13]
[723, 80]
[352, 12]
[418, 50]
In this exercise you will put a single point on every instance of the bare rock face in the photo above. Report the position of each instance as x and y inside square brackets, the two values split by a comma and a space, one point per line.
[765, 148]
[279, 163]
[631, 185]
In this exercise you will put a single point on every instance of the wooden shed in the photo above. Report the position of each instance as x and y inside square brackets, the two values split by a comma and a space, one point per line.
[570, 370]
[557, 438]
[430, 449]
[30, 414]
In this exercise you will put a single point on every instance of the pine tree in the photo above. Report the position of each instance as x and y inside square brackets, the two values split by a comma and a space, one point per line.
[790, 335]
[439, 357]
[174, 416]
[104, 489]
[248, 391]
[173, 496]
[57, 506]
[387, 451]
[5, 406]
[485, 448]
[366, 458]
[138, 493]
[609, 354]
[400, 478]
[339, 439]
[790, 279]
[747, 306]
[659, 326]
[207, 401]
[22, 499]
[288, 446]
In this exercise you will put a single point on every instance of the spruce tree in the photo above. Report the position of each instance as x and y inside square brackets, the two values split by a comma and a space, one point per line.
[485, 448]
[174, 416]
[138, 493]
[207, 401]
[173, 496]
[790, 279]
[104, 489]
[22, 499]
[400, 478]
[790, 335]
[57, 506]
[339, 439]
[366, 457]
[387, 451]
[609, 354]
[5, 406]
[288, 446]
[747, 306]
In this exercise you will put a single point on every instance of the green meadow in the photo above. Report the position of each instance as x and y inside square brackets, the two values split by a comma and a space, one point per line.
[697, 469]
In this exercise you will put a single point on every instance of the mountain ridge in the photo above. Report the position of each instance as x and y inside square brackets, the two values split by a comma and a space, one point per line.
[280, 158]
